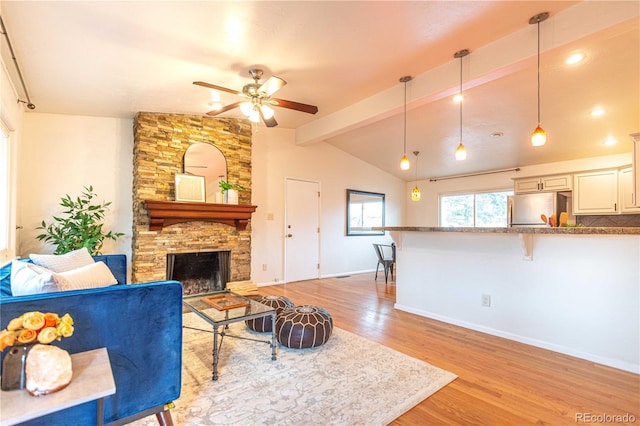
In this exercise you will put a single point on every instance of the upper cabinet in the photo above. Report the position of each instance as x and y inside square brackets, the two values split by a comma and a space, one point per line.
[635, 173]
[628, 196]
[596, 192]
[544, 183]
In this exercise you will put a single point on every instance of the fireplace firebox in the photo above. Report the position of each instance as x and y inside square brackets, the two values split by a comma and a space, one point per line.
[200, 272]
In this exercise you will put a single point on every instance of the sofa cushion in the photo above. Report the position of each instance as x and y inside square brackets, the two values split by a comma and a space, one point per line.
[27, 278]
[63, 262]
[117, 263]
[90, 276]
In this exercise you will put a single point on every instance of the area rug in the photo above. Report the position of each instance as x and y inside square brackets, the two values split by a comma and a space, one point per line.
[348, 381]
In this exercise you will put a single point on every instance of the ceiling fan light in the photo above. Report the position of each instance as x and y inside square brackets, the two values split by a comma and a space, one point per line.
[267, 111]
[415, 193]
[254, 117]
[538, 137]
[404, 163]
[246, 108]
[461, 152]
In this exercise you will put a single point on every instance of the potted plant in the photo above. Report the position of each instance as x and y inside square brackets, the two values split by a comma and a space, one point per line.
[81, 225]
[230, 191]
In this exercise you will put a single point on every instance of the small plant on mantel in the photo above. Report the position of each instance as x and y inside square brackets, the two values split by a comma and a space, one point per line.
[225, 186]
[80, 227]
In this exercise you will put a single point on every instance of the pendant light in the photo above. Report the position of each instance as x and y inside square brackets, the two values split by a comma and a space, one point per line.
[404, 162]
[461, 151]
[539, 136]
[415, 193]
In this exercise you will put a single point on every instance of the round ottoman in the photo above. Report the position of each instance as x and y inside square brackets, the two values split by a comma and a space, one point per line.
[264, 324]
[303, 326]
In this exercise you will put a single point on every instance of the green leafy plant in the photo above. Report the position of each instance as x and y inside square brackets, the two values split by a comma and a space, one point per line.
[81, 225]
[225, 186]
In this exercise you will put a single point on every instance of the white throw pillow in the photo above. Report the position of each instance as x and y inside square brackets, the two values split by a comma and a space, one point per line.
[90, 276]
[63, 262]
[27, 278]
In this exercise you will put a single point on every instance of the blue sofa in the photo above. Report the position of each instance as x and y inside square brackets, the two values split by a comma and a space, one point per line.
[141, 327]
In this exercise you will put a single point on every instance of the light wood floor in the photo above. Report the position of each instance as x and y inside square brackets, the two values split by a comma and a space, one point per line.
[500, 382]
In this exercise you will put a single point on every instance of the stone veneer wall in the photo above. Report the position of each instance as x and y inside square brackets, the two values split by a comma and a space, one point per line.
[160, 142]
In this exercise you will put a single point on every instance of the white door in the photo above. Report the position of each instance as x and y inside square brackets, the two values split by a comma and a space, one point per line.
[302, 230]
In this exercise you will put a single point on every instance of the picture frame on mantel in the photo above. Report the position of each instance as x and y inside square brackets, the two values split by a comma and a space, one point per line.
[190, 188]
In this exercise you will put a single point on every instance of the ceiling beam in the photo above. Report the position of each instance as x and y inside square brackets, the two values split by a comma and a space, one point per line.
[490, 62]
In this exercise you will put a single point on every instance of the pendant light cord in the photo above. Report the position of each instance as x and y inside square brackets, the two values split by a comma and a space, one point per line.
[538, 73]
[405, 119]
[461, 99]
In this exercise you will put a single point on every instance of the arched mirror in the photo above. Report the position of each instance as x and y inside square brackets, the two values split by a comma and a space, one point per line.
[203, 159]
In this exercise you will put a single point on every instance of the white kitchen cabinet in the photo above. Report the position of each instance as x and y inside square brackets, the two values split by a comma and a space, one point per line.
[628, 202]
[635, 174]
[595, 192]
[543, 184]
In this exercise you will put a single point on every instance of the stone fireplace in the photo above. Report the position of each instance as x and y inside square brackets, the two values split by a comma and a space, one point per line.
[199, 272]
[160, 142]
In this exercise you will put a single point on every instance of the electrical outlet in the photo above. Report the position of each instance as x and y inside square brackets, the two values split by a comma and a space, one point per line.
[486, 300]
[264, 266]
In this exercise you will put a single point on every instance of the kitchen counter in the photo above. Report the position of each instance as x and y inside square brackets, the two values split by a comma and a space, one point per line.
[574, 290]
[571, 230]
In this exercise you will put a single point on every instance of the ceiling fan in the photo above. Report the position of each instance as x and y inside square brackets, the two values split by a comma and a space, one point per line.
[258, 105]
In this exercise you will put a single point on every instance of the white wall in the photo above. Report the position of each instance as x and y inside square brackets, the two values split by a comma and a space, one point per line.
[425, 211]
[61, 154]
[277, 157]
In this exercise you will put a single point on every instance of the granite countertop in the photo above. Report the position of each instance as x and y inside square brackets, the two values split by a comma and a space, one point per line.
[583, 230]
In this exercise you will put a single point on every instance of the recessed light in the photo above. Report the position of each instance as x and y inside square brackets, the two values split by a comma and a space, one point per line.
[575, 58]
[458, 98]
[497, 134]
[610, 141]
[597, 112]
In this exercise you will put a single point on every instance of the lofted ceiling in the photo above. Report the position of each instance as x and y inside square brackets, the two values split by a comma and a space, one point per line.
[114, 59]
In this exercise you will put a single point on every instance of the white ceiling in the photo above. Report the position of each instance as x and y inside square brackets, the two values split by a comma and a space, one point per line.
[117, 58]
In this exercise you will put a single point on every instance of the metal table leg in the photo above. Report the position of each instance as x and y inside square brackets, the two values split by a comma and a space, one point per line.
[100, 411]
[215, 353]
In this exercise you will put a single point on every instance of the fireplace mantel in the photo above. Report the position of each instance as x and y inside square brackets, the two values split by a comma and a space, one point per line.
[167, 213]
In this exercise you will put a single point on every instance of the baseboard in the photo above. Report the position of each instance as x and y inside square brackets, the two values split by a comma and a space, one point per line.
[342, 274]
[610, 362]
[336, 275]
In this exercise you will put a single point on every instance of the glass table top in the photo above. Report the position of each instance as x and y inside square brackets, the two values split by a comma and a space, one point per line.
[201, 304]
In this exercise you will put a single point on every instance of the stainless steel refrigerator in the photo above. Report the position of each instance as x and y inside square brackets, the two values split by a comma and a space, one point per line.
[527, 209]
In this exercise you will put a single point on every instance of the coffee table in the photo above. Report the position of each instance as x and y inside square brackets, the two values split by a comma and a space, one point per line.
[222, 317]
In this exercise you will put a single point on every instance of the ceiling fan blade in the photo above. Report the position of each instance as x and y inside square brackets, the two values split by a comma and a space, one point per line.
[220, 88]
[269, 122]
[224, 109]
[310, 109]
[271, 86]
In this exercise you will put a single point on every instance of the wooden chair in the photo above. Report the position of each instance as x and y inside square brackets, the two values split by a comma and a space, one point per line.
[387, 258]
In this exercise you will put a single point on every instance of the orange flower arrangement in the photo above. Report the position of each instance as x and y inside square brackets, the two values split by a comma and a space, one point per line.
[32, 327]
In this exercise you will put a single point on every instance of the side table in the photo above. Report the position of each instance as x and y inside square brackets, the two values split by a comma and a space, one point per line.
[92, 379]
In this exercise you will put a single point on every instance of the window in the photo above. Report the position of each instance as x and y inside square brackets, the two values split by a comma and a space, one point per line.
[488, 209]
[4, 194]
